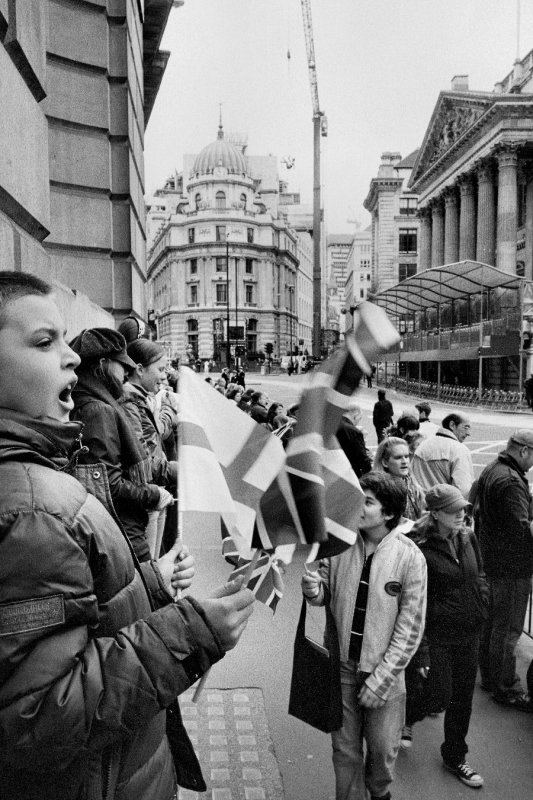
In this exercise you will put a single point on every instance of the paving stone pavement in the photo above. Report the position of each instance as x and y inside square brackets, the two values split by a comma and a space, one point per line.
[229, 731]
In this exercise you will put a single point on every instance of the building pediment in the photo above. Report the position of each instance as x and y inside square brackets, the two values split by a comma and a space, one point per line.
[454, 116]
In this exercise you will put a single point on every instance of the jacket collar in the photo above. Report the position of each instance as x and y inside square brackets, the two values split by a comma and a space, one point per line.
[506, 458]
[446, 433]
[44, 440]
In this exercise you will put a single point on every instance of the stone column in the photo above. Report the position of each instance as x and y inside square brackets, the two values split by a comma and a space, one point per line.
[486, 220]
[451, 227]
[424, 248]
[437, 234]
[507, 209]
[528, 257]
[467, 220]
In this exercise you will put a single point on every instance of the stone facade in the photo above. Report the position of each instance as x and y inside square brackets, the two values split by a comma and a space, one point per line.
[358, 274]
[473, 176]
[393, 208]
[223, 257]
[74, 107]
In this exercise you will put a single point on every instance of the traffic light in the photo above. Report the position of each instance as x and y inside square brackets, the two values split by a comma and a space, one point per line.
[269, 348]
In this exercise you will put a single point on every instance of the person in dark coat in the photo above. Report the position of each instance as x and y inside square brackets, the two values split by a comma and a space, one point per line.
[505, 526]
[109, 436]
[93, 650]
[457, 606]
[382, 415]
[259, 408]
[352, 440]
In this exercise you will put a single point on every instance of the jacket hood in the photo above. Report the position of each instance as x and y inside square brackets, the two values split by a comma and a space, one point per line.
[46, 441]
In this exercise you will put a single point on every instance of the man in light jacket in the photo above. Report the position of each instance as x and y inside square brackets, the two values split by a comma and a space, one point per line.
[444, 458]
[377, 593]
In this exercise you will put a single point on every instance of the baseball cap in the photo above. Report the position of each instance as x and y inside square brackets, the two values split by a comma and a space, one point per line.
[443, 497]
[95, 343]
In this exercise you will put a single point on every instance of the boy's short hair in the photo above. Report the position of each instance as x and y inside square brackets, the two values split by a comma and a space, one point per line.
[390, 492]
[19, 284]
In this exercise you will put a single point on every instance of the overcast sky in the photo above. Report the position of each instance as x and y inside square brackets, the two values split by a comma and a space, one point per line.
[380, 65]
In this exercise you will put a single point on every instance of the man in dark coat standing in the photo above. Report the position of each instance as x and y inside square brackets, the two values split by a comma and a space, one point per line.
[352, 441]
[382, 416]
[505, 537]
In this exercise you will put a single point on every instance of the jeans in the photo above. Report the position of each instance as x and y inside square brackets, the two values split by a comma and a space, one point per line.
[450, 685]
[380, 728]
[501, 632]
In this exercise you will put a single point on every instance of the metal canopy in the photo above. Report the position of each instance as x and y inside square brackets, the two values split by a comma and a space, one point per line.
[439, 285]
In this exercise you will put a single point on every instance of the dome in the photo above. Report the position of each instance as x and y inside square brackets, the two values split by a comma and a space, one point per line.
[220, 153]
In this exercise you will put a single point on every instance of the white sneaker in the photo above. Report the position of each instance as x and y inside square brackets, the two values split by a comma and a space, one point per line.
[466, 774]
[406, 739]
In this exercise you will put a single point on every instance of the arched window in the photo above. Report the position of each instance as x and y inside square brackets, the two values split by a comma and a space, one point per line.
[220, 199]
[243, 200]
[197, 201]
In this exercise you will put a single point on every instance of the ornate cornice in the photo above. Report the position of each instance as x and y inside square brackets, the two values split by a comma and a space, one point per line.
[492, 106]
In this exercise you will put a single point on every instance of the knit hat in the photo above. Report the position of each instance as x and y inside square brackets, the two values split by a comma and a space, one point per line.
[95, 343]
[443, 497]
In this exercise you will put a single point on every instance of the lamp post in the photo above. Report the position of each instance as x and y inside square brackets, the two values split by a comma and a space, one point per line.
[291, 296]
[236, 316]
[228, 347]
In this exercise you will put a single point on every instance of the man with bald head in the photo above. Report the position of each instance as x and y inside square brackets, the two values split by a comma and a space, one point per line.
[505, 535]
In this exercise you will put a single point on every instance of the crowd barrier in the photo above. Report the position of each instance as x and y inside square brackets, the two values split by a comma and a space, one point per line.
[453, 394]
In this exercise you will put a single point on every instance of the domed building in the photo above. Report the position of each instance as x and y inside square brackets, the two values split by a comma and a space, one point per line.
[222, 261]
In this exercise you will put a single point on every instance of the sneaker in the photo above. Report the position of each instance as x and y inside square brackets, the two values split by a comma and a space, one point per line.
[520, 702]
[466, 774]
[406, 739]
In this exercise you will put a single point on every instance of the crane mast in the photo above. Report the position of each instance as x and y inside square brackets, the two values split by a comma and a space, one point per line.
[319, 129]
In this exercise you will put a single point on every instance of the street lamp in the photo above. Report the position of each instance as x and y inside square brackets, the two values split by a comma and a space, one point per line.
[228, 347]
[236, 316]
[291, 296]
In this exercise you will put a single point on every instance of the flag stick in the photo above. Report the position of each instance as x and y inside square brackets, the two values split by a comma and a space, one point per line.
[247, 575]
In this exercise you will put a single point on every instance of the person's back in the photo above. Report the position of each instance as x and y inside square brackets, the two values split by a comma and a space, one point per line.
[444, 459]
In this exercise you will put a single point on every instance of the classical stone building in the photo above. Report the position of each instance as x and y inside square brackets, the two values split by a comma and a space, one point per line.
[474, 177]
[222, 269]
[393, 207]
[467, 315]
[78, 82]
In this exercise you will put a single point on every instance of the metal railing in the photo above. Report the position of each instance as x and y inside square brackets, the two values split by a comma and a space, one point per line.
[498, 399]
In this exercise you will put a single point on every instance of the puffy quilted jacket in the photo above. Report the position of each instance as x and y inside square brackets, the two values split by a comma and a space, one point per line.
[135, 404]
[87, 666]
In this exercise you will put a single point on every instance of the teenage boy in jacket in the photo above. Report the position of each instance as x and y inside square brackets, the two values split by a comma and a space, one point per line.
[377, 593]
[92, 649]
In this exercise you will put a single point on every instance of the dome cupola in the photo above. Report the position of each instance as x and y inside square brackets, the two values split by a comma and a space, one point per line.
[220, 153]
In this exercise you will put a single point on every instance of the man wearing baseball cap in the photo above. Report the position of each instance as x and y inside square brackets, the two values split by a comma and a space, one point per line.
[505, 536]
[109, 436]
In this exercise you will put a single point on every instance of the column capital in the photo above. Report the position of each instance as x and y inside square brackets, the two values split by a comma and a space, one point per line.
[466, 183]
[435, 205]
[485, 170]
[424, 212]
[507, 155]
[450, 196]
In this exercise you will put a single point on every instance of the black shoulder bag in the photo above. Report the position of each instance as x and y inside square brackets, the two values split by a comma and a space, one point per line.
[315, 695]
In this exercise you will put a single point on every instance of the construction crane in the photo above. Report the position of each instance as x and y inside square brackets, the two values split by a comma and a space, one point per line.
[320, 128]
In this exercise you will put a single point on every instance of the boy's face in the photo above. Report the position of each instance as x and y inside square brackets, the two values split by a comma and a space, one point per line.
[36, 364]
[372, 515]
